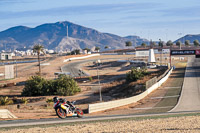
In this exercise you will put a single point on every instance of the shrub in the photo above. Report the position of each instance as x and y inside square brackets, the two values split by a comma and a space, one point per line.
[34, 86]
[38, 86]
[90, 79]
[66, 86]
[24, 100]
[49, 100]
[135, 74]
[5, 101]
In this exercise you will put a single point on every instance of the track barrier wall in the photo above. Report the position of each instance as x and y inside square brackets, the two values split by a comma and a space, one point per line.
[117, 103]
[83, 57]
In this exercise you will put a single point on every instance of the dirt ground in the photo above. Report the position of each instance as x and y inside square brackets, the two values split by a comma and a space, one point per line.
[164, 125]
[37, 108]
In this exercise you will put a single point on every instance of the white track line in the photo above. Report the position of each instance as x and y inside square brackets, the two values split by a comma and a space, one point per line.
[165, 97]
[153, 108]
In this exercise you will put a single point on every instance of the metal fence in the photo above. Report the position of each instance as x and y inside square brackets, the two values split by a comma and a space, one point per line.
[151, 82]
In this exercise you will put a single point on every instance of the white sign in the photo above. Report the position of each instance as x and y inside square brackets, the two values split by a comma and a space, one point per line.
[142, 53]
[9, 71]
[165, 51]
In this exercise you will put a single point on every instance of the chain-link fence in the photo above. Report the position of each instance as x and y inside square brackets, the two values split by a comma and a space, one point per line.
[151, 82]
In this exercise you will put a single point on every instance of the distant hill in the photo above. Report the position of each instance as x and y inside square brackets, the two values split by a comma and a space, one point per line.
[191, 38]
[54, 36]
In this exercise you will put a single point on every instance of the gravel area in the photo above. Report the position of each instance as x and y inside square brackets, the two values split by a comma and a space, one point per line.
[164, 125]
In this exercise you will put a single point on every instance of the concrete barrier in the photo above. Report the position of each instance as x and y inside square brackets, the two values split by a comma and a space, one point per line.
[4, 114]
[117, 103]
[78, 58]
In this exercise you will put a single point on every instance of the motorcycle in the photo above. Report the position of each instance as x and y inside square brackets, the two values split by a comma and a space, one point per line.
[65, 108]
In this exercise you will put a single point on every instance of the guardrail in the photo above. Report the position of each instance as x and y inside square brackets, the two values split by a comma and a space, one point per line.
[117, 103]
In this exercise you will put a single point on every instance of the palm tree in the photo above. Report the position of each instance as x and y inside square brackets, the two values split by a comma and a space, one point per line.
[178, 43]
[143, 44]
[87, 49]
[196, 43]
[169, 43]
[187, 43]
[161, 43]
[152, 44]
[97, 49]
[105, 47]
[38, 48]
[128, 43]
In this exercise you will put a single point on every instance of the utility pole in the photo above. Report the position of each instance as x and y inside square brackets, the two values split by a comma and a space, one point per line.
[100, 96]
[170, 58]
[161, 45]
[16, 68]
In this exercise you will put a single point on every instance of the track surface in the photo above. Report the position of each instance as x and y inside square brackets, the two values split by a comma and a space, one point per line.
[190, 95]
[21, 123]
[74, 66]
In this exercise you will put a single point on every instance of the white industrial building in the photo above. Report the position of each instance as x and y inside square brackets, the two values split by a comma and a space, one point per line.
[6, 55]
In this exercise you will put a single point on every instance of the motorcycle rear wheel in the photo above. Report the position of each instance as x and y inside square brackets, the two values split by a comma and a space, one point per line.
[60, 113]
[79, 112]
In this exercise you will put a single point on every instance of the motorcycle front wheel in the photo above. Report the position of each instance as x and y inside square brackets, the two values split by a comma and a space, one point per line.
[79, 112]
[60, 113]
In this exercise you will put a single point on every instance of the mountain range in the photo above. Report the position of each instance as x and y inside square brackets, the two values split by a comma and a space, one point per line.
[54, 36]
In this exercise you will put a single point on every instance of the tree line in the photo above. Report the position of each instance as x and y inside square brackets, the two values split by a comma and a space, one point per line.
[168, 43]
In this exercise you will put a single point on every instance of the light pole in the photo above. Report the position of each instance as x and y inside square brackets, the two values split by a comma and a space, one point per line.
[100, 96]
[161, 45]
[16, 68]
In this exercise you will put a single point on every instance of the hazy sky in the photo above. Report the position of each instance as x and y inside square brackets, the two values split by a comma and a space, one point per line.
[151, 19]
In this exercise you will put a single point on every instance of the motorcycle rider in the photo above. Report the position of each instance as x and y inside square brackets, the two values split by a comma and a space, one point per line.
[71, 107]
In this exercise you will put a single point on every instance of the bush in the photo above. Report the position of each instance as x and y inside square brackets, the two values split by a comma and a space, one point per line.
[66, 86]
[49, 100]
[135, 74]
[5, 101]
[90, 79]
[35, 86]
[38, 86]
[24, 100]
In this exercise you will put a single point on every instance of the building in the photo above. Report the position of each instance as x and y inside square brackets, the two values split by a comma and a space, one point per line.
[6, 55]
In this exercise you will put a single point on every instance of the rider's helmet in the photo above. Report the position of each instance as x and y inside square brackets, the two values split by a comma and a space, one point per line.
[55, 99]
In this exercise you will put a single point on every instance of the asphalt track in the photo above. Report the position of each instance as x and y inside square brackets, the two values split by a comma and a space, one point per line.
[74, 66]
[190, 95]
[22, 123]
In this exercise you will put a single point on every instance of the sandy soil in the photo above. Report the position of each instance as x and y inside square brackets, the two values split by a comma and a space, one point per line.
[166, 125]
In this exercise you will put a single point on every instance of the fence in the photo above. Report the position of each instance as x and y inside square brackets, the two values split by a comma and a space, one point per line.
[151, 82]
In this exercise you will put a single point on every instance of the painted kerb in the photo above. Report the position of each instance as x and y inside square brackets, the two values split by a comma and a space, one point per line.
[117, 103]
